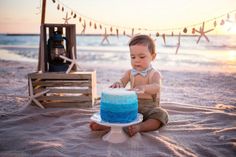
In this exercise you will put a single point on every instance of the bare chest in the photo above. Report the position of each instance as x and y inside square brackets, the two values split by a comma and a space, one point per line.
[139, 80]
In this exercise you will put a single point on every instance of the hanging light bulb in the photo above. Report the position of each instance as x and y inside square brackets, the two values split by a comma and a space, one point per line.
[80, 19]
[74, 16]
[62, 9]
[71, 13]
[54, 1]
[58, 7]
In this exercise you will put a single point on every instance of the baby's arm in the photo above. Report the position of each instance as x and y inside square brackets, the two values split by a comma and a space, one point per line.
[122, 82]
[154, 85]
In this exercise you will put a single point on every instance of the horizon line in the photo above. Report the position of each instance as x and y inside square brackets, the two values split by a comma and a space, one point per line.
[99, 34]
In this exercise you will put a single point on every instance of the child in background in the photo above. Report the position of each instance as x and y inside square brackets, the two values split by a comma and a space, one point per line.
[146, 82]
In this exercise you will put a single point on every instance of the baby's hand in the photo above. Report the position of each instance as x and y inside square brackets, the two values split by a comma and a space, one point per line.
[116, 85]
[137, 90]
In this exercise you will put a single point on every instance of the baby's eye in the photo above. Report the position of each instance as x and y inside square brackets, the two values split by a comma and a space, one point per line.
[132, 57]
[142, 57]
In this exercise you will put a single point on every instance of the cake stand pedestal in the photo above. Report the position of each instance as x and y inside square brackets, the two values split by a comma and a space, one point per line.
[116, 134]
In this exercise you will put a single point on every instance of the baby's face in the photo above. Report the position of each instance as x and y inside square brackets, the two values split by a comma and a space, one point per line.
[140, 57]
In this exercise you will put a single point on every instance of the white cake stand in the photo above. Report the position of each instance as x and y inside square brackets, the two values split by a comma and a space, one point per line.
[116, 134]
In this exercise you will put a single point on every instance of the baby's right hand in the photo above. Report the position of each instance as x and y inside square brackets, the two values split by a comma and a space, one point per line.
[116, 85]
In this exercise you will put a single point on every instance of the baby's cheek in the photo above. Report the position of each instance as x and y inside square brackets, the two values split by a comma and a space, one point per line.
[146, 63]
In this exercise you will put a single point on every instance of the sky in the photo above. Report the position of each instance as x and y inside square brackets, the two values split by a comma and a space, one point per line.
[163, 16]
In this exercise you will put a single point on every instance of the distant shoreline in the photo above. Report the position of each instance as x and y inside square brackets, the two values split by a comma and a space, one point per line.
[36, 34]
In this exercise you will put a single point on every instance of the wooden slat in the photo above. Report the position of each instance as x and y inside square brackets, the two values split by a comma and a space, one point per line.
[61, 81]
[51, 31]
[67, 104]
[45, 50]
[59, 75]
[42, 49]
[66, 98]
[63, 84]
[94, 87]
[79, 91]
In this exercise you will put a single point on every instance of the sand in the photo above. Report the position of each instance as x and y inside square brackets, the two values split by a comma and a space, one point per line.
[201, 107]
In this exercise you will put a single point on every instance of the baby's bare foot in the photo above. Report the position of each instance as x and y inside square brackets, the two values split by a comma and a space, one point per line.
[133, 129]
[97, 127]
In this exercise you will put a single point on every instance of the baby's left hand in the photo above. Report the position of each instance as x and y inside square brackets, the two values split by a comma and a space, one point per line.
[138, 90]
[116, 85]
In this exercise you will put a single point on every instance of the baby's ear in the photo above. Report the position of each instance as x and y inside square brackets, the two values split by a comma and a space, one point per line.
[154, 56]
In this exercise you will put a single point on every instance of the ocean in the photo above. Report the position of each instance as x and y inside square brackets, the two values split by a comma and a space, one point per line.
[218, 55]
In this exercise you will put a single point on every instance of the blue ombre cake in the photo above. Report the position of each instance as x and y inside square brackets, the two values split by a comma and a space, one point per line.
[118, 105]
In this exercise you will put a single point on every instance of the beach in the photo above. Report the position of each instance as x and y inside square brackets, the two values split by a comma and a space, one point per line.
[208, 89]
[198, 95]
[201, 107]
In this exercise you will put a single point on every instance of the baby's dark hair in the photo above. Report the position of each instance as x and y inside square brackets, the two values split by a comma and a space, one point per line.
[143, 40]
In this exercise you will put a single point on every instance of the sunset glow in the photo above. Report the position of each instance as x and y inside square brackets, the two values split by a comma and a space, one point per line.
[232, 56]
[154, 15]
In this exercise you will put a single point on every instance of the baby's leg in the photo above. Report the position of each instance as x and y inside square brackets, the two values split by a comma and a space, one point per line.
[97, 127]
[148, 125]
